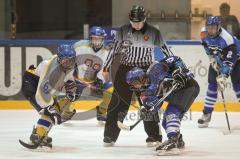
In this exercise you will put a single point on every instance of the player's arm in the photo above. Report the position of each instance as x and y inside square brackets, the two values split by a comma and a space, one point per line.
[115, 49]
[229, 58]
[178, 70]
[43, 96]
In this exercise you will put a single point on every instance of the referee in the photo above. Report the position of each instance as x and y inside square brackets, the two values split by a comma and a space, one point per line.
[140, 54]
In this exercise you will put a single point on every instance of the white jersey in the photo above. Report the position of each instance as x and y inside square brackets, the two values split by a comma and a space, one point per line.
[51, 81]
[89, 62]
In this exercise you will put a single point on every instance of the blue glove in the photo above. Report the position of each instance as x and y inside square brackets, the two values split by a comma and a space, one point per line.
[151, 103]
[213, 50]
[225, 69]
[107, 85]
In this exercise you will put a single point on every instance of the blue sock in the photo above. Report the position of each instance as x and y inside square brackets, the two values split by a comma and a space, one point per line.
[210, 98]
[172, 121]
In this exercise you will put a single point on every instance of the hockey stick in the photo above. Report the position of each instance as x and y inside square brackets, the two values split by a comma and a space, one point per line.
[225, 110]
[36, 145]
[129, 128]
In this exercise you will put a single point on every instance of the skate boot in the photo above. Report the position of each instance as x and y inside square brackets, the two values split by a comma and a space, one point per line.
[181, 143]
[108, 142]
[101, 118]
[35, 138]
[154, 141]
[204, 120]
[169, 147]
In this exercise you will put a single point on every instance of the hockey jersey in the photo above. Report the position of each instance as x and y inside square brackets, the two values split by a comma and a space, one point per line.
[89, 62]
[51, 81]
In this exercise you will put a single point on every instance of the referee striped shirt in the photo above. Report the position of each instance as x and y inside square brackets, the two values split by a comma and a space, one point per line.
[141, 52]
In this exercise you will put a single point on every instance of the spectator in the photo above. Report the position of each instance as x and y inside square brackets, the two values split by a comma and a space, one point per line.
[229, 22]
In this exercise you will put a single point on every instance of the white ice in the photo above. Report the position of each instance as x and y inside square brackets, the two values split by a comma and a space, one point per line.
[83, 139]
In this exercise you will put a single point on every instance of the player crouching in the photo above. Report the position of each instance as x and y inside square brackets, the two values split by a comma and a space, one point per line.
[159, 79]
[41, 85]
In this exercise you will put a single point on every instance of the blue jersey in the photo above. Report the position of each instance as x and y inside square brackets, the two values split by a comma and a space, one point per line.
[157, 72]
[224, 45]
[164, 69]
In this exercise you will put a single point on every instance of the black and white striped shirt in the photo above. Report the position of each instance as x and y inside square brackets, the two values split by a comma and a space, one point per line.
[141, 52]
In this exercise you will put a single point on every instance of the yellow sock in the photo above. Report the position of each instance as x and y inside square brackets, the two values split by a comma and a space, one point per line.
[41, 131]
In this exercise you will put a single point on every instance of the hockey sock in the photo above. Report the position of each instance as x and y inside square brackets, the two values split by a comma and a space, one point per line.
[210, 98]
[43, 125]
[172, 121]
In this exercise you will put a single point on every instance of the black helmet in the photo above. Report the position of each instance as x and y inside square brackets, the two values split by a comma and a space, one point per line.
[137, 14]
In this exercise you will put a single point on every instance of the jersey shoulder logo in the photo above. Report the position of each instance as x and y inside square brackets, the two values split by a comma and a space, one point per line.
[146, 37]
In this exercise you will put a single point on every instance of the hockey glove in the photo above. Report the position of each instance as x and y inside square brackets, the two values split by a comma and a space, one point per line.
[225, 69]
[71, 96]
[107, 85]
[221, 81]
[70, 85]
[52, 112]
[74, 90]
[213, 50]
[151, 104]
[180, 77]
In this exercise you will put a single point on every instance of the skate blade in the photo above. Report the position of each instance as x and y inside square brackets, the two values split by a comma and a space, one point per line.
[43, 149]
[101, 123]
[108, 144]
[203, 125]
[173, 152]
[153, 144]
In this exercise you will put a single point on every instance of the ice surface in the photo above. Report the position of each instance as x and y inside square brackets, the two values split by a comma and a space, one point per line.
[83, 139]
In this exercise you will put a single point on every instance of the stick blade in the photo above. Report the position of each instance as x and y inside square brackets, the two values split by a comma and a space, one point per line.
[29, 146]
[122, 126]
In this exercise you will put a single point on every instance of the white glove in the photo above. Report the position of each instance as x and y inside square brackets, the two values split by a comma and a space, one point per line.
[221, 81]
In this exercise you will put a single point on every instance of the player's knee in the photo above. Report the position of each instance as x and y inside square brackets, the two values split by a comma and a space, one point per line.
[29, 84]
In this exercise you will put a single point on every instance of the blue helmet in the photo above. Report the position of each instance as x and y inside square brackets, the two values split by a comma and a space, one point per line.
[213, 20]
[66, 51]
[96, 37]
[97, 31]
[134, 74]
[66, 56]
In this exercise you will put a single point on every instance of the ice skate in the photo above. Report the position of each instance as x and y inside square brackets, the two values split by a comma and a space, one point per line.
[204, 120]
[101, 118]
[153, 141]
[169, 147]
[108, 142]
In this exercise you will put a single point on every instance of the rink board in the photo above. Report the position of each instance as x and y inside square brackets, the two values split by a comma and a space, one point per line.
[17, 55]
[87, 105]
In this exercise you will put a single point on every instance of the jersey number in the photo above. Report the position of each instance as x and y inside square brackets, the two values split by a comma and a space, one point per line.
[229, 55]
[94, 66]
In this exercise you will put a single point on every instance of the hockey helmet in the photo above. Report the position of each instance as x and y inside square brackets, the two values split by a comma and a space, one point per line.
[96, 37]
[66, 56]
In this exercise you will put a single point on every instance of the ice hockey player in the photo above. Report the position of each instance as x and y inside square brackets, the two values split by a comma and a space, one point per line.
[93, 55]
[42, 85]
[223, 51]
[161, 77]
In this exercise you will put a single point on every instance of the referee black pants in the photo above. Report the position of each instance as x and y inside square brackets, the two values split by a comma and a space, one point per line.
[119, 105]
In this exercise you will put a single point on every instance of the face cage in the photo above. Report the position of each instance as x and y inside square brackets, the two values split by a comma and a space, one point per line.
[67, 63]
[217, 32]
[143, 81]
[132, 22]
[98, 42]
